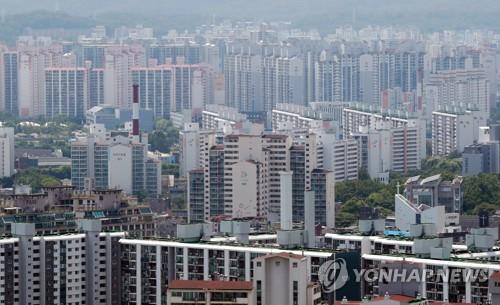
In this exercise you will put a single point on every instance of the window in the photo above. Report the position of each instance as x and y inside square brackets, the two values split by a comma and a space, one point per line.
[295, 293]
[259, 292]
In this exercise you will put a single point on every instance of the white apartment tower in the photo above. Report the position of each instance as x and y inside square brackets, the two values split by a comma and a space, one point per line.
[32, 65]
[467, 89]
[7, 156]
[246, 176]
[453, 131]
[118, 64]
[384, 148]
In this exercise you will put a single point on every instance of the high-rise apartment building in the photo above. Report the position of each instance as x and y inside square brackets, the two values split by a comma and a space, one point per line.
[283, 81]
[7, 156]
[118, 63]
[216, 116]
[74, 268]
[242, 77]
[95, 87]
[278, 146]
[9, 73]
[467, 89]
[337, 79]
[95, 54]
[453, 131]
[356, 116]
[246, 174]
[382, 72]
[66, 92]
[155, 89]
[481, 158]
[175, 54]
[182, 86]
[189, 158]
[384, 148]
[32, 65]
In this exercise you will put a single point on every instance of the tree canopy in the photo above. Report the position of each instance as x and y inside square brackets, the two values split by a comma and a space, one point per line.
[164, 137]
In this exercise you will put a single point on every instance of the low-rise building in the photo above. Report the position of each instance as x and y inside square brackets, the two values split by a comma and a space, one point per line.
[434, 191]
[183, 292]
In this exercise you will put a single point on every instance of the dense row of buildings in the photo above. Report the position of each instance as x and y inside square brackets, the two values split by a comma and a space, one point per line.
[41, 79]
[110, 268]
[45, 77]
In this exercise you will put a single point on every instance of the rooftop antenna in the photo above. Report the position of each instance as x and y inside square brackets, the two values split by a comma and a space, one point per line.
[397, 187]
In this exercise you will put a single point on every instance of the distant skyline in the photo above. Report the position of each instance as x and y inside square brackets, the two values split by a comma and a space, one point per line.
[428, 14]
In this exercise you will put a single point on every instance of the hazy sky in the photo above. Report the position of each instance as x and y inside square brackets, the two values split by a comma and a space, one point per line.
[481, 13]
[301, 7]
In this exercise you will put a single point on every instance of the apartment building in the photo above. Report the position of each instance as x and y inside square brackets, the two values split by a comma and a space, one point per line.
[9, 73]
[66, 92]
[7, 155]
[72, 269]
[246, 176]
[181, 292]
[283, 279]
[300, 117]
[118, 161]
[243, 81]
[250, 165]
[466, 88]
[453, 130]
[155, 89]
[337, 78]
[359, 115]
[217, 116]
[204, 261]
[383, 148]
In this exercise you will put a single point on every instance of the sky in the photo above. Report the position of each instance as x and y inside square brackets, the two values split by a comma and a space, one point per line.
[456, 13]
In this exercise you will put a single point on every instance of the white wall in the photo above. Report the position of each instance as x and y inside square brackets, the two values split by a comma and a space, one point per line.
[120, 167]
[244, 189]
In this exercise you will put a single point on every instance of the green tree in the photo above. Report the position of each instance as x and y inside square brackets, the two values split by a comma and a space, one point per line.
[164, 137]
[481, 190]
[36, 179]
[170, 169]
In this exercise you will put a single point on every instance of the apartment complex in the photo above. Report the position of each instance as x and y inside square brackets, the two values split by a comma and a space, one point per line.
[383, 148]
[466, 88]
[72, 269]
[114, 161]
[238, 174]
